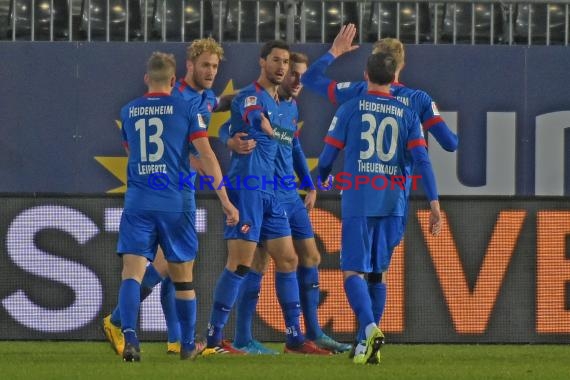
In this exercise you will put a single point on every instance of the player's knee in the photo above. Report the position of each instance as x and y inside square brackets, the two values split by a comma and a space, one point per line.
[242, 270]
[183, 286]
[260, 266]
[310, 259]
[286, 263]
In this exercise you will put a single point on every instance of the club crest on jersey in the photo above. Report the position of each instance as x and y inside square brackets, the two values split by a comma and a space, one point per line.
[250, 101]
[333, 123]
[201, 122]
[342, 85]
[434, 109]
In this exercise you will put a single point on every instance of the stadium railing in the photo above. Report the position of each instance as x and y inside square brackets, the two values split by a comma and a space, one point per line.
[452, 22]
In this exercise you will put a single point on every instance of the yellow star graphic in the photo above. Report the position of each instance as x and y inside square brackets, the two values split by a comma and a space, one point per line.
[219, 118]
[118, 167]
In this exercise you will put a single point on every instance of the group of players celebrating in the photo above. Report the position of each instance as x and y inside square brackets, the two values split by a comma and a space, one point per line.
[262, 133]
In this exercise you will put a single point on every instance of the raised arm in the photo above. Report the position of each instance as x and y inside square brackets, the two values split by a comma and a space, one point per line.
[315, 78]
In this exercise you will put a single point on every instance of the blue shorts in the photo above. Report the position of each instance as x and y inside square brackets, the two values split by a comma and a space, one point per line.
[141, 231]
[368, 242]
[261, 212]
[299, 220]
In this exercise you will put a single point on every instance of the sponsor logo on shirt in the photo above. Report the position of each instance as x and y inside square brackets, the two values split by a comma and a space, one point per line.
[333, 124]
[434, 109]
[250, 101]
[283, 136]
[342, 85]
[201, 122]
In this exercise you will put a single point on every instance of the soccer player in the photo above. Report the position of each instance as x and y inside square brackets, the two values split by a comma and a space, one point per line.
[255, 110]
[203, 57]
[418, 100]
[383, 142]
[158, 131]
[290, 159]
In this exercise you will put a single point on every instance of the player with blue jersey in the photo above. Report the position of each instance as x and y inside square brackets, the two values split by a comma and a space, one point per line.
[255, 111]
[290, 160]
[158, 130]
[383, 142]
[203, 57]
[419, 101]
[338, 93]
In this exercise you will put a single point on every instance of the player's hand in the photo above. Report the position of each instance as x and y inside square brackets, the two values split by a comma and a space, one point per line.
[435, 218]
[310, 199]
[266, 126]
[232, 213]
[241, 146]
[327, 184]
[343, 41]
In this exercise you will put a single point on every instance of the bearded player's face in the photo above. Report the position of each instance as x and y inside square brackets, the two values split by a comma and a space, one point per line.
[205, 69]
[276, 65]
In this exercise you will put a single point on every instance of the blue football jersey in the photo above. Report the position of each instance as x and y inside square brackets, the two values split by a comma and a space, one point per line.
[208, 100]
[260, 164]
[158, 130]
[376, 132]
[340, 92]
[286, 136]
[419, 101]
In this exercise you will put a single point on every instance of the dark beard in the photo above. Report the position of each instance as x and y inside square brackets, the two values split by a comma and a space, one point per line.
[275, 81]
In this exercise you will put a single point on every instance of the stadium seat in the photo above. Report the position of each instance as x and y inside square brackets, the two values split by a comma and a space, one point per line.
[538, 16]
[335, 15]
[117, 19]
[381, 19]
[234, 12]
[42, 21]
[172, 16]
[463, 14]
[5, 20]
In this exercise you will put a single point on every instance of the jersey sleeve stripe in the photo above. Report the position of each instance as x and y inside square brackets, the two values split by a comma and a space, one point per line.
[331, 93]
[334, 142]
[182, 85]
[415, 143]
[431, 122]
[297, 133]
[197, 135]
[126, 144]
[248, 110]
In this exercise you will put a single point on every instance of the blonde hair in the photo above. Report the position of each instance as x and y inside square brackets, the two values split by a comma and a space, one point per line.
[391, 46]
[204, 45]
[161, 67]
